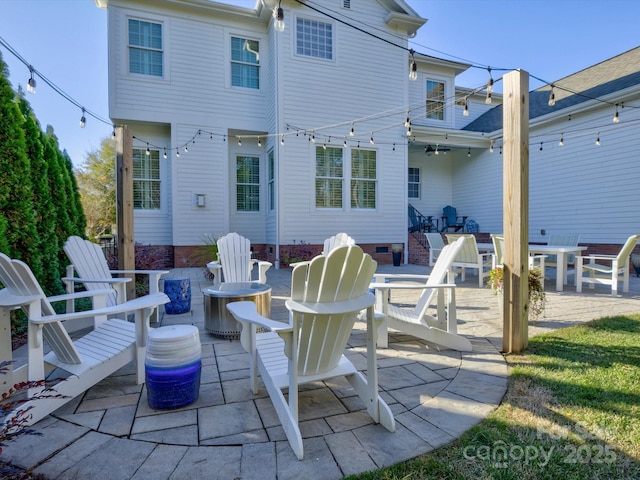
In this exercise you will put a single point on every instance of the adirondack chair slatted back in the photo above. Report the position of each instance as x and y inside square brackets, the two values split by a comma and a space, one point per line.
[498, 242]
[562, 239]
[625, 251]
[89, 262]
[469, 252]
[337, 240]
[343, 276]
[234, 253]
[438, 274]
[19, 281]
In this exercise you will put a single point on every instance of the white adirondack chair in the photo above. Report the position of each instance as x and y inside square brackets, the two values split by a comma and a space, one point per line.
[436, 244]
[235, 262]
[606, 269]
[109, 346]
[535, 261]
[441, 329]
[470, 257]
[89, 263]
[336, 241]
[327, 296]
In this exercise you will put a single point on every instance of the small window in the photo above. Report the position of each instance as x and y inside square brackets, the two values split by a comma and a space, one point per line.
[145, 48]
[314, 38]
[414, 182]
[329, 177]
[245, 63]
[248, 184]
[363, 179]
[272, 181]
[146, 179]
[435, 100]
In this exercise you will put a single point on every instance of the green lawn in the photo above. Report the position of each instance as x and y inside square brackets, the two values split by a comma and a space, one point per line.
[571, 411]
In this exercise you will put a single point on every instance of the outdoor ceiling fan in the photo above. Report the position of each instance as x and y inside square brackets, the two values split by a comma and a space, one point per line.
[435, 150]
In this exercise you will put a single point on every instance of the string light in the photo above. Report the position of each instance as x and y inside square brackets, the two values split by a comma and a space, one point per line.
[177, 153]
[409, 130]
[164, 155]
[491, 147]
[239, 142]
[31, 83]
[278, 14]
[148, 152]
[561, 142]
[186, 149]
[353, 131]
[616, 117]
[282, 139]
[407, 122]
[437, 152]
[83, 119]
[469, 152]
[465, 112]
[259, 142]
[413, 66]
[371, 139]
[489, 87]
[598, 139]
[552, 97]
[540, 146]
[344, 143]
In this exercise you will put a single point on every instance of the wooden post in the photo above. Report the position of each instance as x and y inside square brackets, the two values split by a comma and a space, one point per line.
[124, 204]
[516, 210]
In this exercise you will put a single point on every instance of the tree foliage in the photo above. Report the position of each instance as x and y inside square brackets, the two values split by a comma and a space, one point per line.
[97, 185]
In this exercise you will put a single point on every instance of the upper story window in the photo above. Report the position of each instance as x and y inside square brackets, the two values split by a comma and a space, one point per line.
[414, 182]
[145, 48]
[314, 38]
[435, 100]
[329, 177]
[146, 179]
[363, 178]
[248, 184]
[245, 63]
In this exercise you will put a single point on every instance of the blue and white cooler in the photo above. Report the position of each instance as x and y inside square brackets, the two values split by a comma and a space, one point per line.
[172, 366]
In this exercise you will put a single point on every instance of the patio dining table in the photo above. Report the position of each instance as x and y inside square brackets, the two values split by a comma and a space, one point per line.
[560, 250]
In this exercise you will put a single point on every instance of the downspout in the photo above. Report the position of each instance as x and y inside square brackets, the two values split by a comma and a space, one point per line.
[276, 89]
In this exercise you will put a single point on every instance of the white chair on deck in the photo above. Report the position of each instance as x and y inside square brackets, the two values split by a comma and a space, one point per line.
[470, 257]
[110, 345]
[327, 296]
[440, 329]
[562, 239]
[535, 261]
[234, 258]
[338, 240]
[606, 269]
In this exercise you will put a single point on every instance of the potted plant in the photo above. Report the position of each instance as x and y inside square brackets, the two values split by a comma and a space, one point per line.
[537, 296]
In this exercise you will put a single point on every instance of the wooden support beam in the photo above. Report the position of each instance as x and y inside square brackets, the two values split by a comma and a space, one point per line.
[515, 107]
[124, 204]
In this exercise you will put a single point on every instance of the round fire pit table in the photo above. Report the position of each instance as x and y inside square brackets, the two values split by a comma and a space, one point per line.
[217, 319]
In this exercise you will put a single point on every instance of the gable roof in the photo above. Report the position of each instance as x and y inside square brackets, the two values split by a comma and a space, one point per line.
[612, 75]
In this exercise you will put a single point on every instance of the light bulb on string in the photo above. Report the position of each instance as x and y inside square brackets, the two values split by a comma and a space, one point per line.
[491, 147]
[239, 142]
[413, 66]
[31, 83]
[561, 142]
[259, 142]
[282, 139]
[552, 97]
[164, 154]
[313, 137]
[278, 14]
[407, 122]
[344, 143]
[352, 132]
[616, 117]
[394, 147]
[409, 130]
[469, 152]
[186, 149]
[598, 139]
[489, 87]
[371, 139]
[465, 112]
[540, 146]
[177, 153]
[148, 152]
[83, 119]
[437, 152]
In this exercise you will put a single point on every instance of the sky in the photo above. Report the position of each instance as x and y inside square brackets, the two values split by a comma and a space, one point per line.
[66, 41]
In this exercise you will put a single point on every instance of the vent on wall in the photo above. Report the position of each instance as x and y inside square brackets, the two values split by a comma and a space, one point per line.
[346, 3]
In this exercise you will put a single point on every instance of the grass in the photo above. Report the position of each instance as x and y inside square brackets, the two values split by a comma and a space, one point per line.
[571, 411]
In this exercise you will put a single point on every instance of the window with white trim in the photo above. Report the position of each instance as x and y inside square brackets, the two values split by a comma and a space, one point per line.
[146, 179]
[314, 38]
[272, 181]
[245, 63]
[247, 183]
[363, 178]
[145, 48]
[435, 100]
[329, 177]
[414, 182]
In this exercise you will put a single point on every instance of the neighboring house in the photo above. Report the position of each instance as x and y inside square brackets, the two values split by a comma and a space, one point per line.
[240, 127]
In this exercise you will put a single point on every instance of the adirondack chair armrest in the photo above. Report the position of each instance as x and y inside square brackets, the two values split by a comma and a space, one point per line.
[102, 292]
[246, 312]
[593, 257]
[8, 300]
[140, 303]
[399, 276]
[96, 280]
[330, 308]
[404, 286]
[157, 273]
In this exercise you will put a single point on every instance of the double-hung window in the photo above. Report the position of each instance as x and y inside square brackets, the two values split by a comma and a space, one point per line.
[272, 181]
[145, 48]
[414, 182]
[435, 100]
[329, 177]
[245, 63]
[146, 179]
[248, 184]
[314, 38]
[363, 178]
